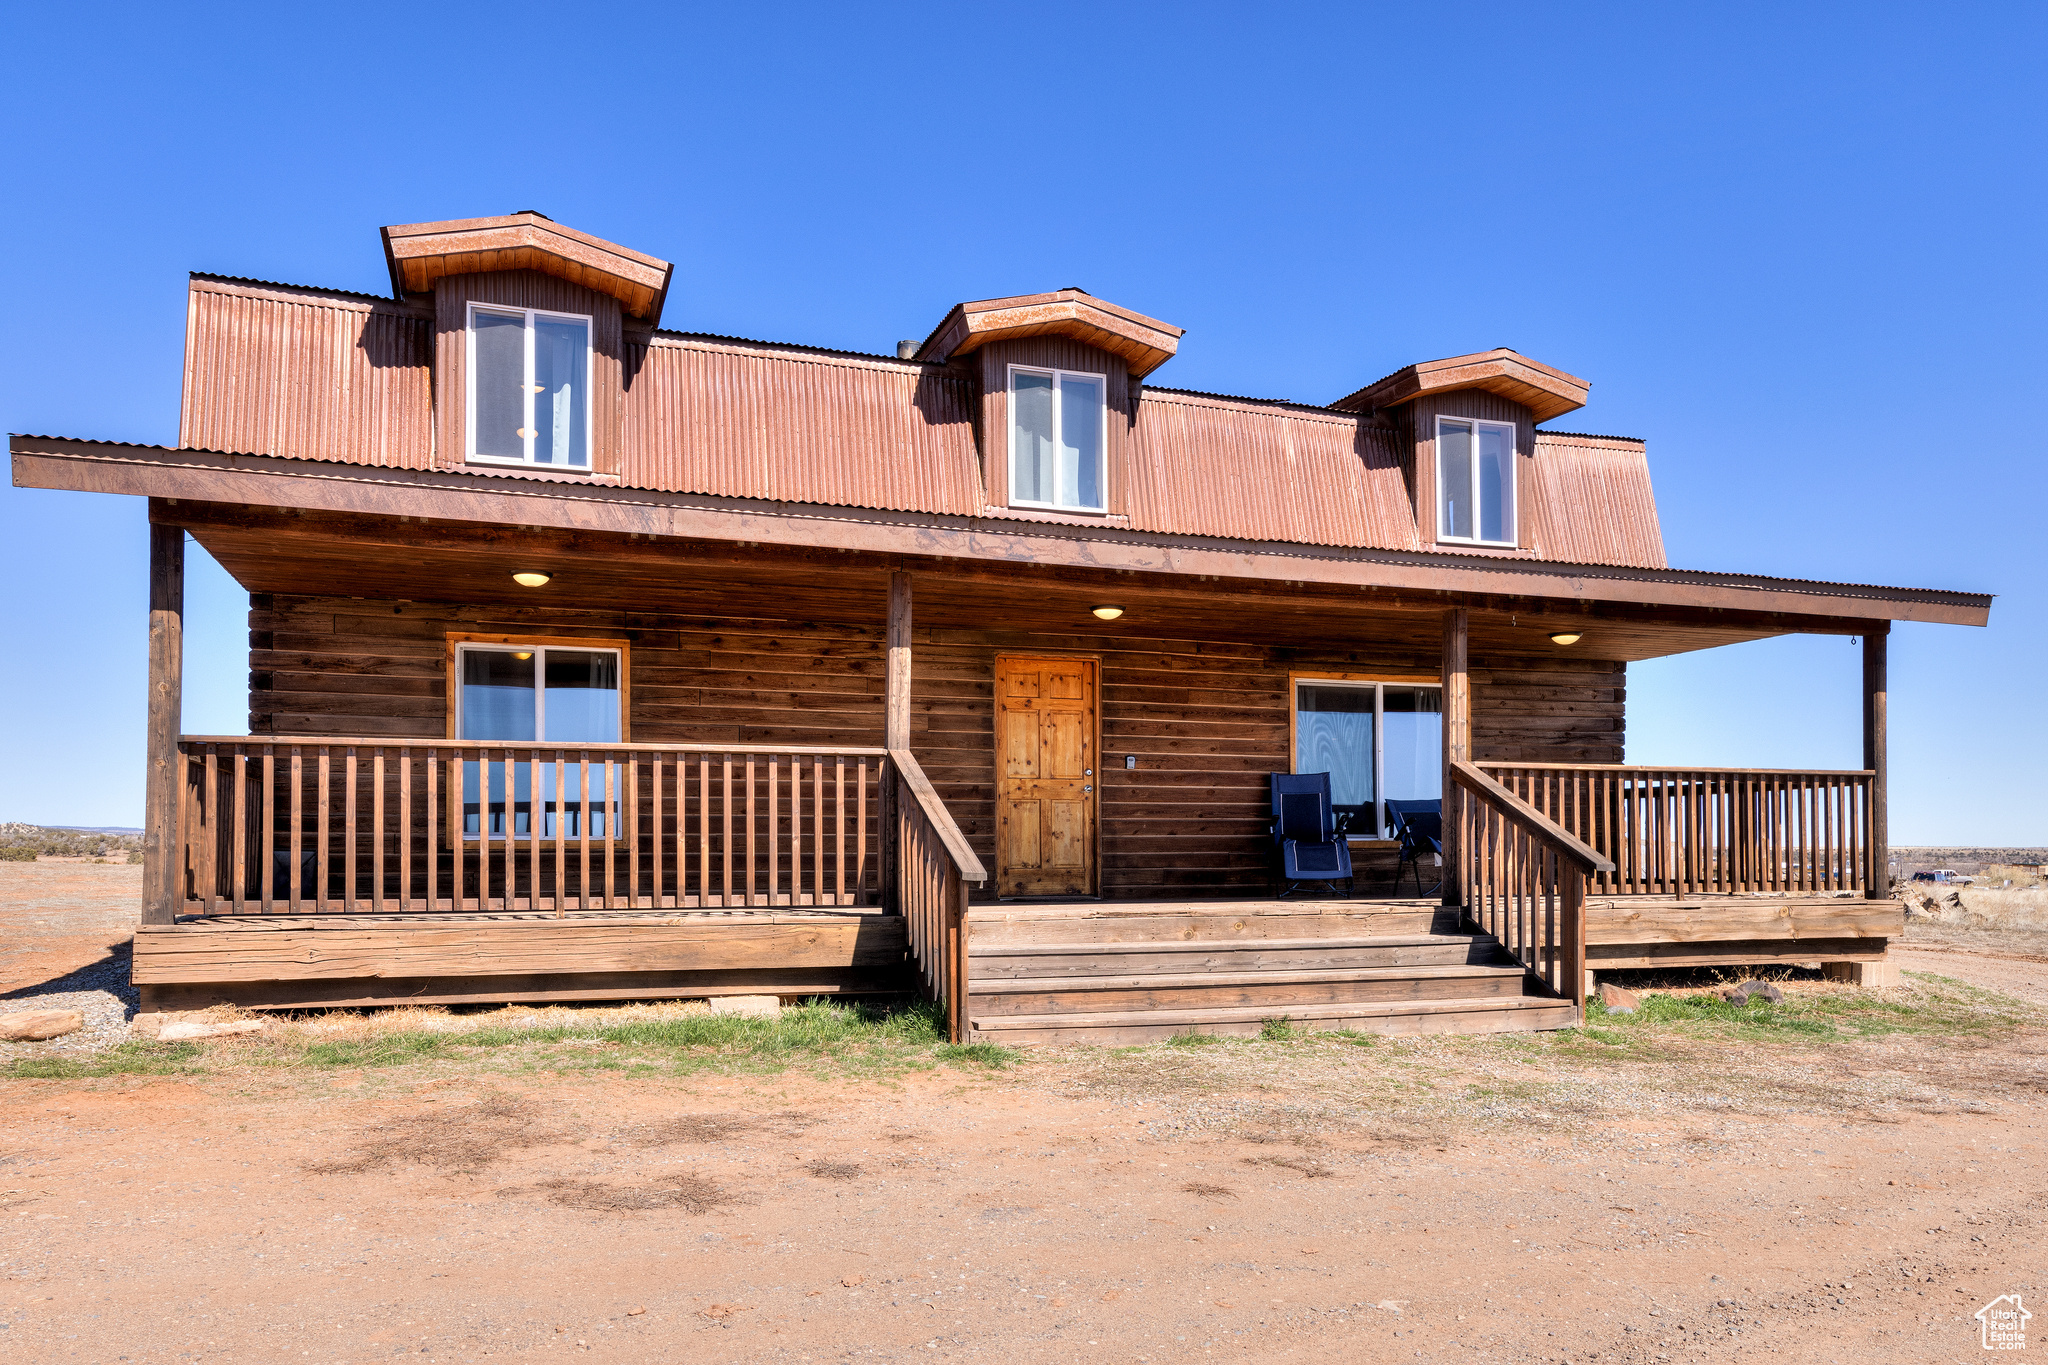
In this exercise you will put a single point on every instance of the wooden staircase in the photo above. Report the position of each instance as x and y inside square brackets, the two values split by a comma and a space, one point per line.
[1099, 973]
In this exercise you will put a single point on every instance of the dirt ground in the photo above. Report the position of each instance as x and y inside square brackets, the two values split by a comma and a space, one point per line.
[1432, 1200]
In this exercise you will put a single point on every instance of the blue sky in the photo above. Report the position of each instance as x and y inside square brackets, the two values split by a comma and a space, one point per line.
[1797, 248]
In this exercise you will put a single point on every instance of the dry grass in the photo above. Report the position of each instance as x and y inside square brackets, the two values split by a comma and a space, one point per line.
[688, 1193]
[1307, 1166]
[705, 1128]
[834, 1170]
[1208, 1190]
[460, 1139]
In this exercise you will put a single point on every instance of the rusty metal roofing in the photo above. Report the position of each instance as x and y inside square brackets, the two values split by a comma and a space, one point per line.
[742, 419]
[1591, 503]
[302, 373]
[306, 374]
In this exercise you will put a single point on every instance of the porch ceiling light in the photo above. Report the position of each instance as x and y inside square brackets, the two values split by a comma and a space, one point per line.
[1565, 637]
[1107, 613]
[530, 580]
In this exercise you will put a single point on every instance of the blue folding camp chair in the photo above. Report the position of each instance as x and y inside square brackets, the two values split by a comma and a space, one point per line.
[1419, 825]
[1305, 831]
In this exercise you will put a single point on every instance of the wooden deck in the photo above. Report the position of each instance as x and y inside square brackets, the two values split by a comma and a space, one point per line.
[1738, 930]
[280, 961]
[1112, 971]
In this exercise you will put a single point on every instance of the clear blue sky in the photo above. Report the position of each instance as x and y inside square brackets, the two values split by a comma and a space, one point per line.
[1797, 248]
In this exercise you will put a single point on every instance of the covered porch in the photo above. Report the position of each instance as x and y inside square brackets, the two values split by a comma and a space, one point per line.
[828, 823]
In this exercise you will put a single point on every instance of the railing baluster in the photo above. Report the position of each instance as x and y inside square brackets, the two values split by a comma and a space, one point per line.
[536, 822]
[752, 825]
[266, 873]
[561, 783]
[818, 831]
[377, 830]
[458, 826]
[240, 768]
[659, 901]
[583, 830]
[208, 864]
[348, 828]
[322, 814]
[432, 852]
[404, 830]
[839, 834]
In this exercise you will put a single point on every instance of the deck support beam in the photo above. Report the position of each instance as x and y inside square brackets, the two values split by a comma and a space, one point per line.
[1875, 701]
[895, 728]
[161, 891]
[1457, 704]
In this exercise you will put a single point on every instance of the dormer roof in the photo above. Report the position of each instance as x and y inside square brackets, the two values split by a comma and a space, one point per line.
[421, 253]
[1144, 343]
[1546, 392]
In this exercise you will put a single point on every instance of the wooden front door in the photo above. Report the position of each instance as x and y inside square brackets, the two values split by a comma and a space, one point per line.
[1045, 776]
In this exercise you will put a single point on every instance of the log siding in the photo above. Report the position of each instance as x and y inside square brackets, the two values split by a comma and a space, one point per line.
[1206, 720]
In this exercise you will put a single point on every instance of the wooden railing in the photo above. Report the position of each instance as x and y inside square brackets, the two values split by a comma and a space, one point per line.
[1693, 831]
[933, 866]
[1524, 878]
[366, 825]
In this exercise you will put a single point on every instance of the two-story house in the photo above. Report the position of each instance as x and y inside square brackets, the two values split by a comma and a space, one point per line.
[594, 660]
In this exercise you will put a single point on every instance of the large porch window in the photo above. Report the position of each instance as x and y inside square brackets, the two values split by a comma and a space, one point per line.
[551, 695]
[1378, 741]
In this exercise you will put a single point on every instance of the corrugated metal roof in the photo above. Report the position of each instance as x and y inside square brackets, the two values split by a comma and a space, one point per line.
[272, 372]
[1591, 501]
[282, 374]
[295, 288]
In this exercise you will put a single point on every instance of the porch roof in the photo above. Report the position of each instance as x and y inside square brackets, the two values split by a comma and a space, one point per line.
[303, 526]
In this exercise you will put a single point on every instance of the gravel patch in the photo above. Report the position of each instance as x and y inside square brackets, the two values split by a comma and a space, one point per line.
[101, 991]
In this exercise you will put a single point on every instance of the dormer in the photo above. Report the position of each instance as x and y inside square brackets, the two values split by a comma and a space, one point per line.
[1468, 428]
[529, 320]
[1058, 376]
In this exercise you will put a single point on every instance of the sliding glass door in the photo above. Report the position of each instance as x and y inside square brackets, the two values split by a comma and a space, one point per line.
[1379, 742]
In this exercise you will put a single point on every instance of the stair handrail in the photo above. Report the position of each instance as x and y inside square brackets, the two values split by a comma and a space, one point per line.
[1532, 821]
[933, 865]
[1534, 905]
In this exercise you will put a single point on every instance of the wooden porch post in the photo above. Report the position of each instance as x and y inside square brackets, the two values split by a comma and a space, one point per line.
[161, 873]
[1878, 882]
[895, 730]
[1457, 702]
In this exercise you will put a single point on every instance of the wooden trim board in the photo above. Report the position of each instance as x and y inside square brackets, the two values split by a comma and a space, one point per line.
[166, 955]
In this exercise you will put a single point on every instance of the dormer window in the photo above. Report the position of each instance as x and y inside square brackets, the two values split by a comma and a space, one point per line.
[1057, 435]
[529, 386]
[1475, 481]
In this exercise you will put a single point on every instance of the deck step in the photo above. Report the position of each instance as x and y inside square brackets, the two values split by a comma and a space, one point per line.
[1404, 1017]
[1195, 923]
[998, 961]
[1267, 990]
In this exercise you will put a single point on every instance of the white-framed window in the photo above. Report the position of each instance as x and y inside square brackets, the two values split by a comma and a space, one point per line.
[1059, 426]
[1378, 741]
[529, 386]
[553, 695]
[1475, 481]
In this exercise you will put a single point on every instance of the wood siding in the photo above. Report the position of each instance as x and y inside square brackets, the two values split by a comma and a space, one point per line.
[525, 289]
[1206, 720]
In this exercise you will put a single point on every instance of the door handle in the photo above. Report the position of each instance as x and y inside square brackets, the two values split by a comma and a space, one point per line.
[1087, 772]
[1089, 788]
